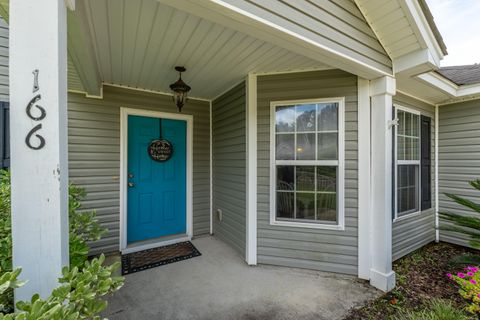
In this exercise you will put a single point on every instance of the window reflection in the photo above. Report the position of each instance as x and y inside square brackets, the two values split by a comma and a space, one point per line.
[306, 189]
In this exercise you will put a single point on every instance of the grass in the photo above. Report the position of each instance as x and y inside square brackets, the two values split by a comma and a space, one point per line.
[437, 310]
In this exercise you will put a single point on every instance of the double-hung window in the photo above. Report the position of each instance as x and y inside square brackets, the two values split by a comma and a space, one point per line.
[412, 156]
[307, 152]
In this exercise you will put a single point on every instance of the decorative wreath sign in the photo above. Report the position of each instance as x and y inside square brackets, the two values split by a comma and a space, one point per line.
[160, 150]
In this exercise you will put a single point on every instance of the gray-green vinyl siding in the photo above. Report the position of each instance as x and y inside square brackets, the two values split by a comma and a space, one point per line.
[415, 231]
[459, 160]
[339, 25]
[327, 250]
[229, 167]
[4, 91]
[94, 154]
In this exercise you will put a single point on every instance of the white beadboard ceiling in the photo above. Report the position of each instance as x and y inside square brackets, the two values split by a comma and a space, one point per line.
[137, 43]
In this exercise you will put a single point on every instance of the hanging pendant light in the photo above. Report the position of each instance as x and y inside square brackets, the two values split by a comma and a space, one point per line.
[180, 90]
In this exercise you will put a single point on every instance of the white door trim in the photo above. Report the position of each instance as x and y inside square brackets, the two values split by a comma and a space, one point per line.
[124, 113]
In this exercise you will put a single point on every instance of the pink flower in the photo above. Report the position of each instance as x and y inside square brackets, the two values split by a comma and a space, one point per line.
[473, 269]
[470, 274]
[478, 295]
[460, 275]
[449, 275]
[473, 281]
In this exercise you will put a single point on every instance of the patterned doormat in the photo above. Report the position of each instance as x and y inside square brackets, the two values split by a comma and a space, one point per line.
[151, 258]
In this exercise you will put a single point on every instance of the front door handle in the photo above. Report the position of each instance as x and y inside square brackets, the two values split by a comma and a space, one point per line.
[131, 185]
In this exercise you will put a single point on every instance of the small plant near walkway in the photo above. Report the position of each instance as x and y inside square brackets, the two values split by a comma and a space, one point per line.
[83, 283]
[436, 310]
[78, 296]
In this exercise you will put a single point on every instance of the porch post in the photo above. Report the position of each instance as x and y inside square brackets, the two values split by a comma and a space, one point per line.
[251, 127]
[381, 273]
[38, 117]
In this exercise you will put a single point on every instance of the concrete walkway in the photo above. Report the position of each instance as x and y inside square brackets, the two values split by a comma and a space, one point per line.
[219, 285]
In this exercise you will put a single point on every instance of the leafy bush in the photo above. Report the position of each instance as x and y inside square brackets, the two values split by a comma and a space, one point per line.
[438, 310]
[81, 285]
[469, 282]
[465, 224]
[78, 296]
[84, 227]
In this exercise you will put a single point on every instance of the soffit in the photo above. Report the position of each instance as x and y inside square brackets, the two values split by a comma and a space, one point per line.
[138, 44]
[391, 25]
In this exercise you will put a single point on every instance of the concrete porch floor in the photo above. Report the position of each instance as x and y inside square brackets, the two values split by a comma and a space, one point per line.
[219, 285]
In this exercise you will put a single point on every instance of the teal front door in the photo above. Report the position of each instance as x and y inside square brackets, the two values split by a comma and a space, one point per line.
[156, 189]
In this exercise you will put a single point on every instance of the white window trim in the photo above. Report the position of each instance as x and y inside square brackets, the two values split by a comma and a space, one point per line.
[340, 225]
[407, 162]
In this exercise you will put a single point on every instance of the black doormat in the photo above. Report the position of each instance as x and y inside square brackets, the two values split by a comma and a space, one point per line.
[151, 258]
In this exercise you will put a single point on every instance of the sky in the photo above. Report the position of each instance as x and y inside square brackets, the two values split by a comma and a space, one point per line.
[459, 24]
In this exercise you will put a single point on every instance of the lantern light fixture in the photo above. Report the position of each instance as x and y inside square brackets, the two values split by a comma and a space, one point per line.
[180, 90]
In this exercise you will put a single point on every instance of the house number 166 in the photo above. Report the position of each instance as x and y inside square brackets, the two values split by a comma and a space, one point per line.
[41, 116]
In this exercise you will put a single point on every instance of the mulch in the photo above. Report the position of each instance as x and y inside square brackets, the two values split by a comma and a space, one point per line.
[421, 277]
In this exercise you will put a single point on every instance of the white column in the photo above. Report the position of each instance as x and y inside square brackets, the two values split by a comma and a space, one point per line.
[381, 273]
[364, 180]
[38, 77]
[251, 118]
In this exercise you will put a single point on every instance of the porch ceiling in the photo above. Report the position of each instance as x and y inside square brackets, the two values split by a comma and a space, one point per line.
[137, 43]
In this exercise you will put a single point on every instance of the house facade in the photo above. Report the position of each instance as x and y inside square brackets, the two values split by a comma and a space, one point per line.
[318, 134]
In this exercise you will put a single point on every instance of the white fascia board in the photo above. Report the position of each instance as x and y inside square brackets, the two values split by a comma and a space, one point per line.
[440, 83]
[419, 23]
[443, 84]
[468, 90]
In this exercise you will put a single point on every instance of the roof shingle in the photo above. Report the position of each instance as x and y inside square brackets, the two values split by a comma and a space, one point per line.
[462, 75]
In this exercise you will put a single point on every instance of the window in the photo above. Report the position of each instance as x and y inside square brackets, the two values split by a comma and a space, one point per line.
[307, 163]
[408, 162]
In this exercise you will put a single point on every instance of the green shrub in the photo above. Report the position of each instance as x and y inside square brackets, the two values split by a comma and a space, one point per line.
[78, 296]
[84, 227]
[465, 224]
[437, 310]
[82, 284]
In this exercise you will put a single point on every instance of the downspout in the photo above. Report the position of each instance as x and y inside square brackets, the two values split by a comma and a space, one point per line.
[437, 222]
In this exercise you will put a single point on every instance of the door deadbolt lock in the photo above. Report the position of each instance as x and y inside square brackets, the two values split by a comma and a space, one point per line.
[131, 185]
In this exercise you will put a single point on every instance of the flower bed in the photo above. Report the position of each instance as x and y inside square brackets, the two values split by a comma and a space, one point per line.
[421, 278]
[469, 283]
